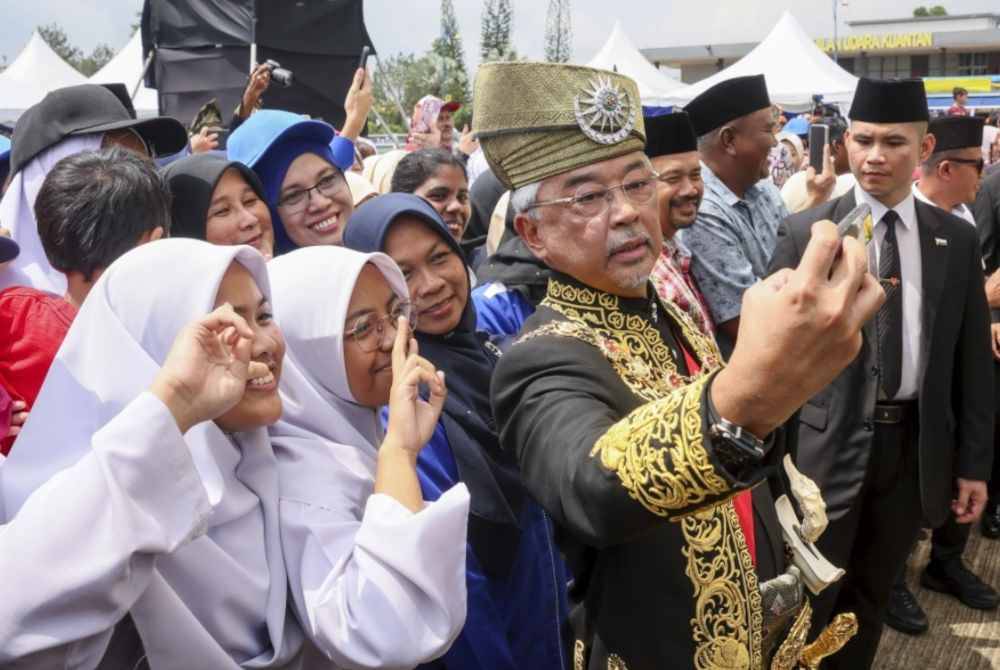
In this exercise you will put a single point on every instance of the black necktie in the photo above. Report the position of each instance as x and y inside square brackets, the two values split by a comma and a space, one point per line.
[889, 322]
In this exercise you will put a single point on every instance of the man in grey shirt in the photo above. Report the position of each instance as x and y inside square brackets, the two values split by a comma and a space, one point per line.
[732, 243]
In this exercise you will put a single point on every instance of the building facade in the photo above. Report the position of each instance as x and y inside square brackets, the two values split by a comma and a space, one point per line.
[961, 50]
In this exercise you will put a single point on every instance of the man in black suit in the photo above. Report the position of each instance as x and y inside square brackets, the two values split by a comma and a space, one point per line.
[904, 434]
[987, 213]
[948, 180]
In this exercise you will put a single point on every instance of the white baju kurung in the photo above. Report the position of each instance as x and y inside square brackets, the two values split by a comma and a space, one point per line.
[110, 511]
[374, 585]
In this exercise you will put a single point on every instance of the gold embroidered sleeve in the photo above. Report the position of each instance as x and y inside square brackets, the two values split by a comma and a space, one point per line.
[659, 455]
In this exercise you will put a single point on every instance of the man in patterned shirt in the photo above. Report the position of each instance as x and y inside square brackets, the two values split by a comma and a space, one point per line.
[734, 237]
[673, 149]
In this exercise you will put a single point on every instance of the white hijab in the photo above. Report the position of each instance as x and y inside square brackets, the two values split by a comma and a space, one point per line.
[312, 289]
[374, 585]
[230, 582]
[17, 214]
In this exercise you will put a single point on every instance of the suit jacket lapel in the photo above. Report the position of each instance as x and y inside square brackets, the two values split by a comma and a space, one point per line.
[933, 267]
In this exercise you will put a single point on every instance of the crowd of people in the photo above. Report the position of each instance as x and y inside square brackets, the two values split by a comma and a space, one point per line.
[573, 388]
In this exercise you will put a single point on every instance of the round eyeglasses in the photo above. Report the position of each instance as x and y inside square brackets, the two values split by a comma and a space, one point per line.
[369, 331]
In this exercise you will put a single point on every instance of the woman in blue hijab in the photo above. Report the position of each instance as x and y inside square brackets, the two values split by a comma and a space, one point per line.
[515, 577]
[301, 163]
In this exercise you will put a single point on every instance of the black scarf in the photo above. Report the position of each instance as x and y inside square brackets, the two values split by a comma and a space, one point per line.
[192, 181]
[467, 358]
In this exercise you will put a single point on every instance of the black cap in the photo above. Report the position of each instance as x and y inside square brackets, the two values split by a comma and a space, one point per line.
[123, 97]
[889, 101]
[192, 181]
[727, 100]
[85, 109]
[957, 132]
[669, 134]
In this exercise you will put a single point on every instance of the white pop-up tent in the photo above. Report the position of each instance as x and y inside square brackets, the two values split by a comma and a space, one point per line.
[126, 68]
[621, 55]
[794, 67]
[36, 71]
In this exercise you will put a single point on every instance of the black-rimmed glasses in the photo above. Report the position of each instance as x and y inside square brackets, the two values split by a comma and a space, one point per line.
[295, 201]
[978, 163]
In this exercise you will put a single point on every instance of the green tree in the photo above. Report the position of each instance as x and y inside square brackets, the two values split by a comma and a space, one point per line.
[937, 10]
[97, 59]
[558, 32]
[56, 37]
[497, 24]
[448, 59]
[920, 11]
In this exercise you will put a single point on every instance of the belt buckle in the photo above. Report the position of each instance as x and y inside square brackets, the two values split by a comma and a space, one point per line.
[888, 414]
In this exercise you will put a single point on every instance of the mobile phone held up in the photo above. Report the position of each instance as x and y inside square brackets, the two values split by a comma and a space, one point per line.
[819, 137]
[363, 61]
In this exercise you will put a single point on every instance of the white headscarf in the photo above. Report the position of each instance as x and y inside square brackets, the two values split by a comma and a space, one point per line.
[374, 585]
[312, 287]
[230, 582]
[17, 214]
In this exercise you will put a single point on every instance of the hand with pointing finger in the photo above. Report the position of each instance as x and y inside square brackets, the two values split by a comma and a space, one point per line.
[411, 418]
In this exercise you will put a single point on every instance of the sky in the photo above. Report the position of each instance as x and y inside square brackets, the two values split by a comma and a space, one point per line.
[409, 26]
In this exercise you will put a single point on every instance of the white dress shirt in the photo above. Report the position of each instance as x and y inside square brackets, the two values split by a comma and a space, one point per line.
[908, 243]
[962, 211]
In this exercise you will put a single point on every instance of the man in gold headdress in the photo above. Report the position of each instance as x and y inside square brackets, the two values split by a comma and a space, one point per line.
[628, 429]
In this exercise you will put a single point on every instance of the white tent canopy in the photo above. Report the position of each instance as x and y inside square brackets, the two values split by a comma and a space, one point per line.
[794, 67]
[621, 55]
[126, 68]
[36, 71]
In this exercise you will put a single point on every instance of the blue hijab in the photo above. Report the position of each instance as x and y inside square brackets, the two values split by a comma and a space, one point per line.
[270, 141]
[467, 359]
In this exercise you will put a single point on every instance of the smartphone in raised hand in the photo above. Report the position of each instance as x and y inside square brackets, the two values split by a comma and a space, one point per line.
[819, 137]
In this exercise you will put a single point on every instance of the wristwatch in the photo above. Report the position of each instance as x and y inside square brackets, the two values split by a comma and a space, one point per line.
[735, 446]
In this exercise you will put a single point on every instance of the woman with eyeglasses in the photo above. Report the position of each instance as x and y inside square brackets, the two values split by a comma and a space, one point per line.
[301, 164]
[219, 201]
[377, 575]
[515, 578]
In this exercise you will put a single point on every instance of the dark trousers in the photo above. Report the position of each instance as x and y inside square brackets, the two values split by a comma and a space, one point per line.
[871, 542]
[994, 483]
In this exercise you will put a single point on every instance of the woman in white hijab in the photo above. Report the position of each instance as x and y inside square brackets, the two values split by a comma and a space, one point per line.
[141, 501]
[377, 575]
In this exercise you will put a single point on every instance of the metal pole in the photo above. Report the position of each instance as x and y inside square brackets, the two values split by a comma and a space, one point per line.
[389, 92]
[145, 68]
[253, 38]
[835, 54]
[381, 122]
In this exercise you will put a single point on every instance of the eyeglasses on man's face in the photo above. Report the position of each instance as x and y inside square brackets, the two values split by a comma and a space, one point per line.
[590, 200]
[978, 163]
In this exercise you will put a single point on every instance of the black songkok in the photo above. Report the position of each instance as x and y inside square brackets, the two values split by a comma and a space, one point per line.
[669, 134]
[889, 101]
[727, 100]
[957, 132]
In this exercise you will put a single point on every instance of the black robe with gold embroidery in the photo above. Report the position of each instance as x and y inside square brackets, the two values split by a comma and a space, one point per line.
[612, 440]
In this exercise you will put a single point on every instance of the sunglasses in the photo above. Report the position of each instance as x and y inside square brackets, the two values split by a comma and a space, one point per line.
[979, 163]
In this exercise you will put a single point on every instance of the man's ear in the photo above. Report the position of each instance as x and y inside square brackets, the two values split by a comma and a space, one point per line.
[927, 146]
[727, 140]
[528, 229]
[157, 233]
